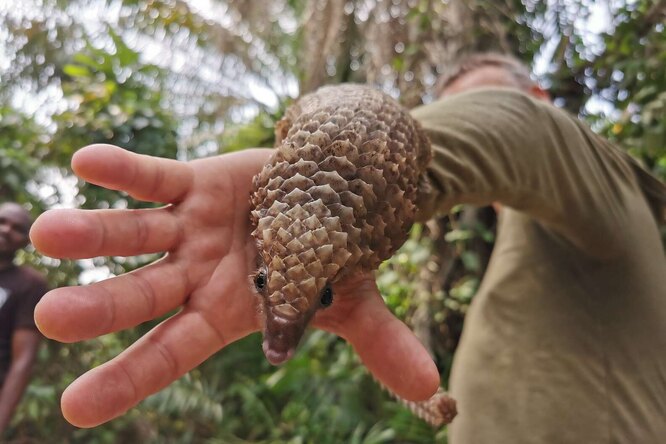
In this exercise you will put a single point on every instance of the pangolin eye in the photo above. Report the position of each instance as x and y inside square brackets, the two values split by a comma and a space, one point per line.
[327, 296]
[260, 280]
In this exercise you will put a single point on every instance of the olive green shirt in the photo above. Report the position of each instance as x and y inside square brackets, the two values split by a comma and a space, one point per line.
[565, 341]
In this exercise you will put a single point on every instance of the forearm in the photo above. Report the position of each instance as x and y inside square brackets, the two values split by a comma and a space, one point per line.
[12, 390]
[25, 343]
[500, 145]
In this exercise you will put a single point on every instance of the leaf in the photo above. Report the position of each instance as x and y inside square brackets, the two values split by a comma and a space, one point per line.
[471, 260]
[379, 435]
[458, 235]
[85, 59]
[124, 53]
[76, 71]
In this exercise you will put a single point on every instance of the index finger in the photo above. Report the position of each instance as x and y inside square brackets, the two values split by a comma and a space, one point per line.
[142, 177]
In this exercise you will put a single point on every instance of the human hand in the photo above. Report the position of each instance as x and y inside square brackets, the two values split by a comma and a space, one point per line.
[205, 231]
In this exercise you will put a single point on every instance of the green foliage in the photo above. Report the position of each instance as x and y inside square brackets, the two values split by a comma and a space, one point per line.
[21, 141]
[215, 85]
[631, 75]
[258, 132]
[116, 100]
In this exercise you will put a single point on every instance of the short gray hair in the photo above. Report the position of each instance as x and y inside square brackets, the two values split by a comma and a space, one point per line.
[514, 67]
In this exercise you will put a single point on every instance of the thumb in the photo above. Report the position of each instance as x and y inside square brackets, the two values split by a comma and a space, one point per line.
[386, 346]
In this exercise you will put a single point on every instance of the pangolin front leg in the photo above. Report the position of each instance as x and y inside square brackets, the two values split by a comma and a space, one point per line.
[337, 197]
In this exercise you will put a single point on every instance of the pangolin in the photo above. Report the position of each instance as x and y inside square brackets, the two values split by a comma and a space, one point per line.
[338, 196]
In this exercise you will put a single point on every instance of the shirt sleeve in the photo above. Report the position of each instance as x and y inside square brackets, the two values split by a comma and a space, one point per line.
[500, 145]
[25, 313]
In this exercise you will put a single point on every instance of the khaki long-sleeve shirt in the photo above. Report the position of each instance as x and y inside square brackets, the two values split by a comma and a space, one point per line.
[565, 341]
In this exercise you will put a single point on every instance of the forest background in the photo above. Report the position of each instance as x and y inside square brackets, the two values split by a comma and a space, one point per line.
[187, 79]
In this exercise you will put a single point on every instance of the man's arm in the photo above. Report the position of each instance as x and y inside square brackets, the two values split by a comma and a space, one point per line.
[499, 145]
[25, 343]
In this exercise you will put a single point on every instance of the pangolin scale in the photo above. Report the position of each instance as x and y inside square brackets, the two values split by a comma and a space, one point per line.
[338, 196]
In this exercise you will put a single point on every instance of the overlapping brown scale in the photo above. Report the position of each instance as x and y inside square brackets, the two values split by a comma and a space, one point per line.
[339, 193]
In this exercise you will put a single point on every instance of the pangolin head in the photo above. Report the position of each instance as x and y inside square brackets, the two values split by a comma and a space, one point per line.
[301, 251]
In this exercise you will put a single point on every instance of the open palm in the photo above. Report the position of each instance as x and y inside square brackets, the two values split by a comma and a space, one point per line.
[205, 230]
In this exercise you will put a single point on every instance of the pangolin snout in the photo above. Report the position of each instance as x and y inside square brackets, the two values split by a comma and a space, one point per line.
[274, 356]
[281, 337]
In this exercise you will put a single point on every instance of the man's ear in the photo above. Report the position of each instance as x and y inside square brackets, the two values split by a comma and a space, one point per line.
[539, 93]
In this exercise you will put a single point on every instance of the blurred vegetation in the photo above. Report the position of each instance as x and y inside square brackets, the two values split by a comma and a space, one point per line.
[186, 79]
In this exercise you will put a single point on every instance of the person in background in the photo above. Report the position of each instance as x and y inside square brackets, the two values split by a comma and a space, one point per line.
[564, 341]
[20, 290]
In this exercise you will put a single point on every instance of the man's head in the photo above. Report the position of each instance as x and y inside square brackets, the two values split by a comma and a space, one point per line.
[15, 224]
[487, 70]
